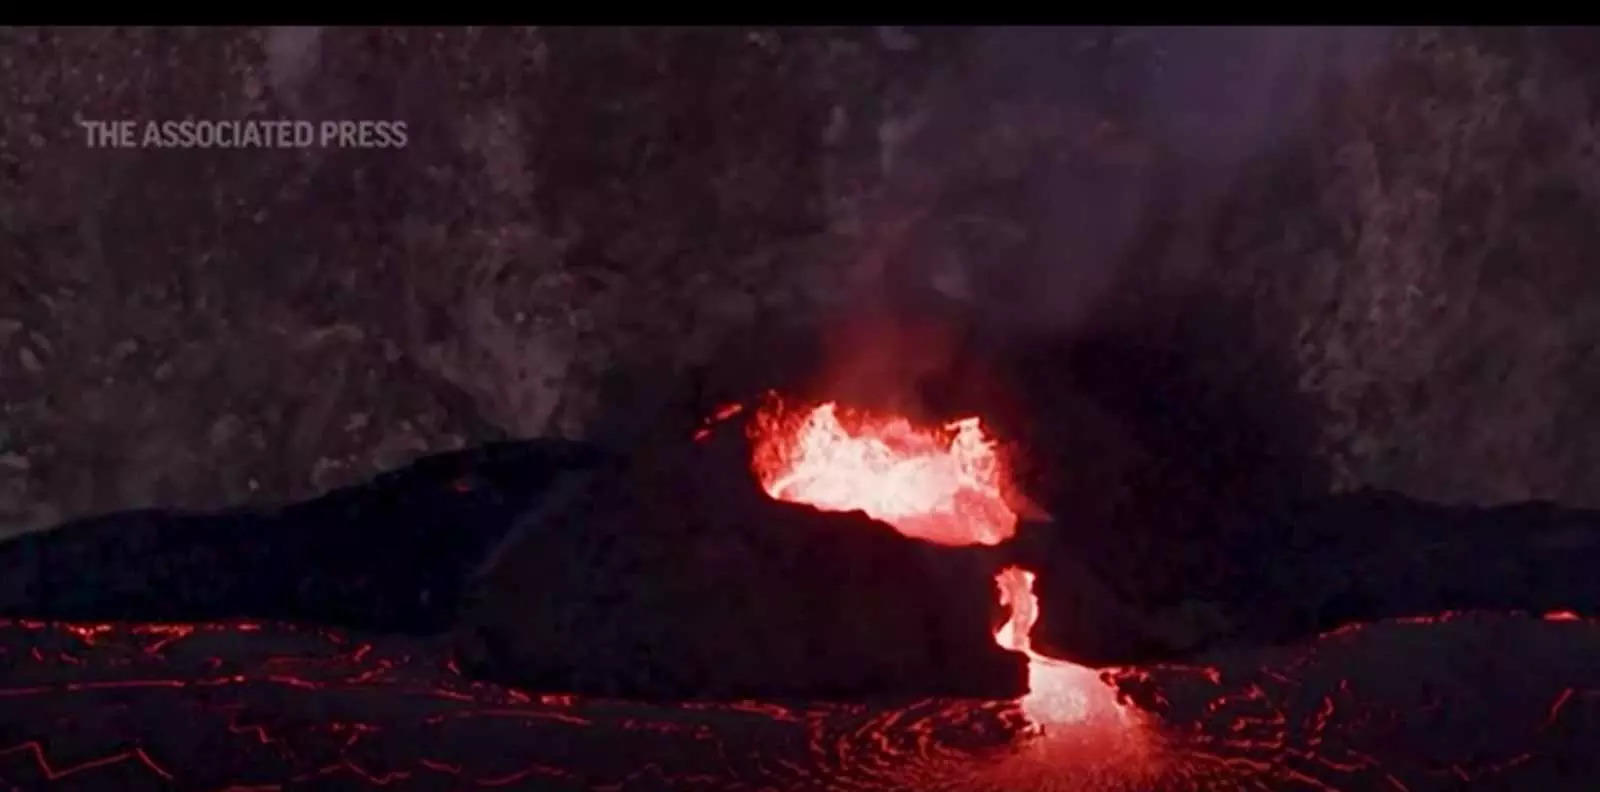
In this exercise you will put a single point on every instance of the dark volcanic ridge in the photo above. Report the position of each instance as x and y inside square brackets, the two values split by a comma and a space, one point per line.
[668, 575]
[559, 567]
[391, 555]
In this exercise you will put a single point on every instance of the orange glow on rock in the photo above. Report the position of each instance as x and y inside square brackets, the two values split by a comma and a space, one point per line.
[942, 485]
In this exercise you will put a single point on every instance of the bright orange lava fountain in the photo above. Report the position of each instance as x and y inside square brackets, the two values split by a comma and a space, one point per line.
[943, 485]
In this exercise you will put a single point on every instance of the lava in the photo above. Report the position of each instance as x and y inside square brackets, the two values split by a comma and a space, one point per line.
[261, 706]
[1058, 692]
[721, 414]
[942, 485]
[945, 485]
[1426, 702]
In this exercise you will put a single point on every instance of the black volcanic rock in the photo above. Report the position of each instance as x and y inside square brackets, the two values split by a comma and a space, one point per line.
[392, 555]
[1309, 567]
[673, 576]
[1371, 555]
[660, 575]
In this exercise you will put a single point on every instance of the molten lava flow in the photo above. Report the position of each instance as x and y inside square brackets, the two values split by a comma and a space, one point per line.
[1016, 593]
[1058, 691]
[940, 485]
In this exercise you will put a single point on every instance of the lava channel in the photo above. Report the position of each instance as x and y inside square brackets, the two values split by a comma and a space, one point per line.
[945, 485]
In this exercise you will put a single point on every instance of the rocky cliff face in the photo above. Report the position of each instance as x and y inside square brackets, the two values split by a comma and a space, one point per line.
[1430, 258]
[195, 327]
[1396, 224]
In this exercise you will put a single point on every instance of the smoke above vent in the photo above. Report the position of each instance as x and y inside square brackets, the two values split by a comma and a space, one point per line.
[1049, 160]
[1063, 183]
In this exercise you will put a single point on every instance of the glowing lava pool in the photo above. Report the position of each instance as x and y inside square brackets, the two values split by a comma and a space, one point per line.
[1500, 701]
[1412, 705]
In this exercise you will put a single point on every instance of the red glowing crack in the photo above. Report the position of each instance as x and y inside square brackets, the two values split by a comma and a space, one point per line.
[53, 773]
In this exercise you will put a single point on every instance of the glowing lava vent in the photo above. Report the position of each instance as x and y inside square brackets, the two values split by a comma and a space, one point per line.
[942, 485]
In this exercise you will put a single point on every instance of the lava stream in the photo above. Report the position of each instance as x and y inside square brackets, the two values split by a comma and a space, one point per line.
[944, 485]
[1058, 691]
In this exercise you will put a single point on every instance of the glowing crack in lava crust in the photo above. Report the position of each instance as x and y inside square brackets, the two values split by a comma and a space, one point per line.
[944, 485]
